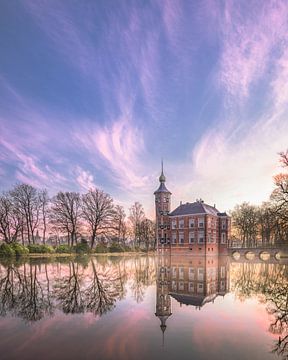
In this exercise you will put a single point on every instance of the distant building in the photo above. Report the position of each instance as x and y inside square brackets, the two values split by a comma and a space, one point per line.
[197, 228]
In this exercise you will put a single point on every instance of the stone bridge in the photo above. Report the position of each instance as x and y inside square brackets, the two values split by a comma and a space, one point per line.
[257, 254]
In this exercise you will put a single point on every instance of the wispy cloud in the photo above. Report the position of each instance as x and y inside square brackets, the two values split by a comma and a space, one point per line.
[118, 149]
[249, 36]
[85, 179]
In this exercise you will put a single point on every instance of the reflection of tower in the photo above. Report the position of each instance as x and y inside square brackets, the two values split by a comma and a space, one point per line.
[163, 300]
[162, 206]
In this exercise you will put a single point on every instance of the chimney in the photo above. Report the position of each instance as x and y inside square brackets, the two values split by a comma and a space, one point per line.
[180, 202]
[215, 206]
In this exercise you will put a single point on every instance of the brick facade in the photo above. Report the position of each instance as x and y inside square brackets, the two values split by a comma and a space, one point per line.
[195, 228]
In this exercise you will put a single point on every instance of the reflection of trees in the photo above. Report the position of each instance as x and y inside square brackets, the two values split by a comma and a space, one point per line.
[103, 291]
[34, 289]
[143, 276]
[95, 292]
[68, 292]
[22, 294]
[270, 282]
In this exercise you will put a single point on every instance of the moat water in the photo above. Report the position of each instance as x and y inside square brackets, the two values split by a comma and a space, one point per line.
[144, 308]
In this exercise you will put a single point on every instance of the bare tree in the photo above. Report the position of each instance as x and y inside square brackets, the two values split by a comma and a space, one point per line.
[147, 233]
[120, 223]
[10, 219]
[65, 214]
[136, 217]
[26, 200]
[98, 212]
[44, 203]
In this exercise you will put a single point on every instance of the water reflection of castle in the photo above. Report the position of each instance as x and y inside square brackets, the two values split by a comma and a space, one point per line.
[190, 280]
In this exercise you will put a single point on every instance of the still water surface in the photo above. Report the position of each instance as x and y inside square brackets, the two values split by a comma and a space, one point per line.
[143, 308]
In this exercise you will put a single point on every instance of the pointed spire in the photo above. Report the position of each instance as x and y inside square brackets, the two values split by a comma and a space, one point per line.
[162, 178]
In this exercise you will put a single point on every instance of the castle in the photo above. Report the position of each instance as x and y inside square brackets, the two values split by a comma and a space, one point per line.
[194, 228]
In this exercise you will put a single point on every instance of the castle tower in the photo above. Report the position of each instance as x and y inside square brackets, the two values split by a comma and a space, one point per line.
[162, 207]
[163, 300]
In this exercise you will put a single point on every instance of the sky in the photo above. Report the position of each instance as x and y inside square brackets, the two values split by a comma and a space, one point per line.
[96, 93]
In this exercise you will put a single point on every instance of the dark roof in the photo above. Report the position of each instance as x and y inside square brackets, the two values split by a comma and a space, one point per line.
[198, 300]
[162, 189]
[197, 207]
[222, 214]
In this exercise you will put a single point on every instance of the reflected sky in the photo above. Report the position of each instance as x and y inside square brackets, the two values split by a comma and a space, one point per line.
[105, 307]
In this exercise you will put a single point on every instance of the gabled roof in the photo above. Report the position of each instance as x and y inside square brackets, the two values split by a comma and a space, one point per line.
[197, 207]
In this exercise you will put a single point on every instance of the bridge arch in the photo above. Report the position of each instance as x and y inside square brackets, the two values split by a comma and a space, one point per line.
[277, 255]
[264, 255]
[249, 255]
[236, 255]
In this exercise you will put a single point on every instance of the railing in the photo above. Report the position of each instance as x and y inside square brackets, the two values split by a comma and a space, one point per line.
[258, 246]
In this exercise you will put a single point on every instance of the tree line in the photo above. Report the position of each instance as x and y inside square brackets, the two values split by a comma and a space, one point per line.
[268, 223]
[29, 216]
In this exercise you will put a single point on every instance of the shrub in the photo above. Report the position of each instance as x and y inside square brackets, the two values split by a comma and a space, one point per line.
[6, 250]
[82, 248]
[40, 249]
[20, 250]
[101, 248]
[63, 249]
[115, 247]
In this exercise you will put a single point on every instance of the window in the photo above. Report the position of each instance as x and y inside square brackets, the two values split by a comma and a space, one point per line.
[200, 237]
[191, 287]
[209, 238]
[191, 237]
[174, 224]
[174, 272]
[181, 285]
[174, 237]
[222, 285]
[223, 224]
[223, 238]
[181, 238]
[181, 224]
[209, 222]
[174, 285]
[191, 223]
[200, 288]
[201, 222]
[191, 273]
[181, 273]
[200, 276]
[222, 272]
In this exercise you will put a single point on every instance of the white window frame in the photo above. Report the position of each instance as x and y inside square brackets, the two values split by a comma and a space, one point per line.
[174, 238]
[201, 235]
[191, 223]
[191, 287]
[201, 223]
[191, 238]
[181, 224]
[200, 274]
[223, 238]
[181, 236]
[191, 273]
[174, 224]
